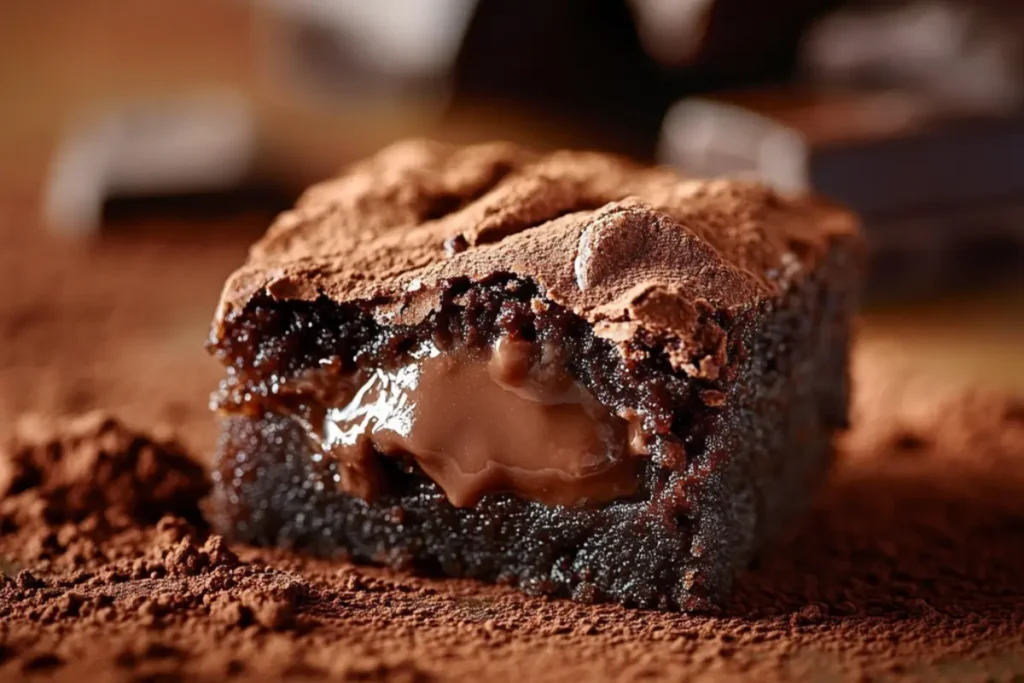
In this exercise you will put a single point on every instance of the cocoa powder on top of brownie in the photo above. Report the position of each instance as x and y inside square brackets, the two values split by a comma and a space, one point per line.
[907, 568]
[632, 250]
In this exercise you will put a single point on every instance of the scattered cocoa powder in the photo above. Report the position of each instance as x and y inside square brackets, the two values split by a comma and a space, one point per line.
[908, 567]
[94, 463]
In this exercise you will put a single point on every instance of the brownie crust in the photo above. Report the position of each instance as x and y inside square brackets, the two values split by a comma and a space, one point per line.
[629, 249]
[717, 311]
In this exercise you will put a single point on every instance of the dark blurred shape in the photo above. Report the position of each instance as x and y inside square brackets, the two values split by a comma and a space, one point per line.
[252, 204]
[578, 59]
[967, 56]
[748, 42]
[200, 143]
[617, 65]
[942, 197]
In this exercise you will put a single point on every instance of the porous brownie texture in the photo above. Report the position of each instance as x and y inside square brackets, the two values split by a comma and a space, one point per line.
[717, 313]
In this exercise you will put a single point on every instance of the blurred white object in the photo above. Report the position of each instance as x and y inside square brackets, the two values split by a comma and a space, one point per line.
[400, 37]
[672, 31]
[967, 56]
[347, 44]
[709, 138]
[195, 143]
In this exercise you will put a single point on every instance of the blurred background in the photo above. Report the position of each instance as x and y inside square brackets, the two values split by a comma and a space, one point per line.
[145, 143]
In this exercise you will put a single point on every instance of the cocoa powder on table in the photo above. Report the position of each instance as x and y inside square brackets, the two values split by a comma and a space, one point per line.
[908, 567]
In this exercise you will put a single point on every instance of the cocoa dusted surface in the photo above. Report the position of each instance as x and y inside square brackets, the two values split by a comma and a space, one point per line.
[629, 249]
[908, 569]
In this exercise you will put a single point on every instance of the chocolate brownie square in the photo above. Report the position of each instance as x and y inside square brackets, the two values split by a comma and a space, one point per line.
[564, 372]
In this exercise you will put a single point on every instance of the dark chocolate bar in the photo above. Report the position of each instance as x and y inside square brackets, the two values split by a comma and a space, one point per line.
[941, 193]
[564, 372]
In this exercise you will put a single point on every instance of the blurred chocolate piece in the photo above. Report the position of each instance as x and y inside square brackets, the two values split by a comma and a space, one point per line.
[967, 56]
[186, 145]
[613, 67]
[942, 196]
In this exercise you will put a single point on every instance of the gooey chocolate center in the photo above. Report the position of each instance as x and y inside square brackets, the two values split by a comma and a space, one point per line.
[501, 420]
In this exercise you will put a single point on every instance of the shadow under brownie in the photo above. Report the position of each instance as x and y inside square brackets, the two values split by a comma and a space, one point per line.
[566, 373]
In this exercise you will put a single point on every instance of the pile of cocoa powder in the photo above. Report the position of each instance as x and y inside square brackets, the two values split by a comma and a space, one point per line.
[909, 566]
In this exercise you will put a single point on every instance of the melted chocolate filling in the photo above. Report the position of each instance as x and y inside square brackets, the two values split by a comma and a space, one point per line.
[510, 394]
[506, 419]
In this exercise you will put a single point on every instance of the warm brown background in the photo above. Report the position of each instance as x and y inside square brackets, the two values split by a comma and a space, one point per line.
[119, 323]
[59, 58]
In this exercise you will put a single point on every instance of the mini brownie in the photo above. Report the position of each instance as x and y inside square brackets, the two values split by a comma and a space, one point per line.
[565, 372]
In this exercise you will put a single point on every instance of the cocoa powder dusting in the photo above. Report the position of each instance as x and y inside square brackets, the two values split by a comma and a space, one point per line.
[908, 568]
[94, 463]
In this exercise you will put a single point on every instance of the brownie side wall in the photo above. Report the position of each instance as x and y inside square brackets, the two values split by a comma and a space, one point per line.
[270, 490]
[274, 487]
[773, 444]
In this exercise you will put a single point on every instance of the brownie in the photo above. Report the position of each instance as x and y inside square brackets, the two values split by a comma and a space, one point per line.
[564, 372]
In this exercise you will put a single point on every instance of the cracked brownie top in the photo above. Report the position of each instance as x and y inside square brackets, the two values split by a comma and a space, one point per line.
[629, 249]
